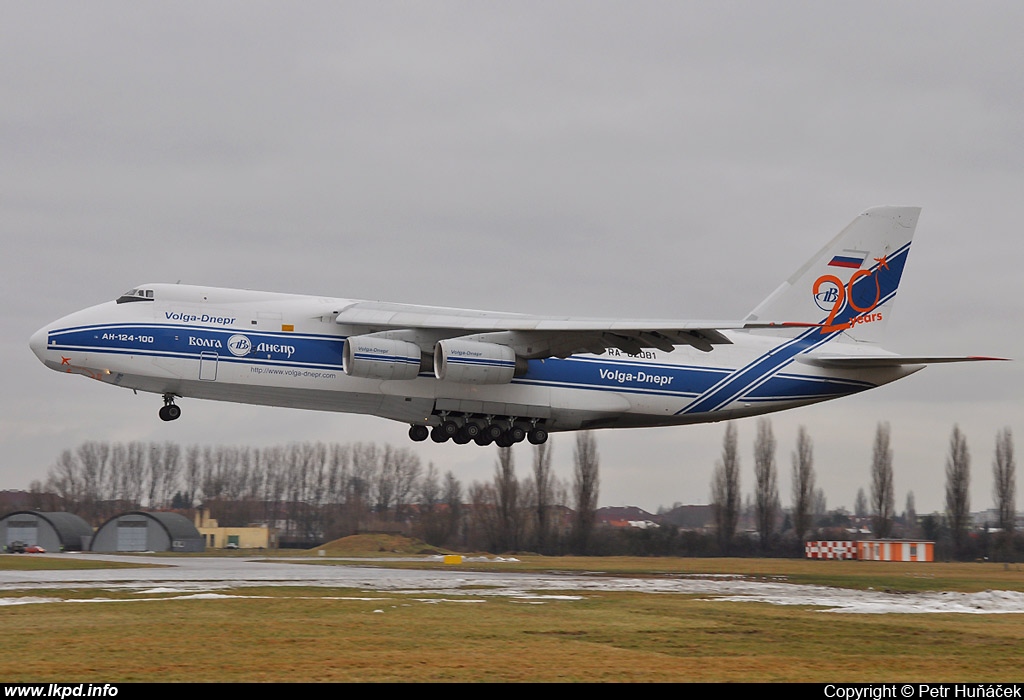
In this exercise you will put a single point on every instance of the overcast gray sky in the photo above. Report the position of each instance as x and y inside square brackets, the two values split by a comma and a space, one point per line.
[634, 159]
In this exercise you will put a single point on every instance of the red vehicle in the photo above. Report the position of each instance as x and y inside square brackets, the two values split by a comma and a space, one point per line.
[34, 549]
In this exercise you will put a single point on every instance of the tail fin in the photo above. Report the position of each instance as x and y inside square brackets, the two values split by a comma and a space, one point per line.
[850, 284]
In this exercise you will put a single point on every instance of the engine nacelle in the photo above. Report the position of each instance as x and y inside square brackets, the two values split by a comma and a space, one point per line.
[380, 358]
[470, 362]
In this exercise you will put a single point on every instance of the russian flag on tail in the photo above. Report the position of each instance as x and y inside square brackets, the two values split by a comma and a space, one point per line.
[849, 258]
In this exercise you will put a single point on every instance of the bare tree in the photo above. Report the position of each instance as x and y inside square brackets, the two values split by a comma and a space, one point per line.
[42, 498]
[275, 484]
[819, 505]
[430, 489]
[883, 496]
[384, 483]
[766, 488]
[340, 519]
[453, 505]
[316, 491]
[506, 490]
[958, 482]
[365, 461]
[431, 524]
[193, 472]
[406, 470]
[164, 473]
[483, 529]
[725, 489]
[93, 464]
[910, 526]
[543, 496]
[1004, 489]
[803, 484]
[860, 504]
[65, 480]
[586, 482]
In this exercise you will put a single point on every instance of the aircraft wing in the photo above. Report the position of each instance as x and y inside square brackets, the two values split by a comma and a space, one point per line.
[878, 361]
[534, 337]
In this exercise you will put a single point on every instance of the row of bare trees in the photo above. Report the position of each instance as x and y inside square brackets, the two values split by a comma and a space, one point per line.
[956, 525]
[538, 513]
[807, 500]
[313, 492]
[240, 485]
[726, 499]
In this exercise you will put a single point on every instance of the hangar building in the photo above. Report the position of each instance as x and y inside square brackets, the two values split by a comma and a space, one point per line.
[147, 532]
[53, 532]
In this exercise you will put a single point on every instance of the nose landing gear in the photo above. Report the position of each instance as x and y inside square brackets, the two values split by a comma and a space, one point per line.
[170, 410]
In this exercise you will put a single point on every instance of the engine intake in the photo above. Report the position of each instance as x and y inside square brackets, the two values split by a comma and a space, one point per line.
[469, 362]
[380, 358]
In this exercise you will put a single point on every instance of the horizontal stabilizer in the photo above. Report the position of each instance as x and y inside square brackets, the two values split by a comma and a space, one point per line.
[878, 361]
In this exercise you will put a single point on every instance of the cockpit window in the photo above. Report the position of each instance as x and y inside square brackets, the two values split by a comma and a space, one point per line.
[136, 295]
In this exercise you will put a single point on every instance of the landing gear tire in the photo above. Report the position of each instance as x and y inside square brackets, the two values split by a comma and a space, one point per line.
[515, 434]
[438, 435]
[483, 439]
[450, 428]
[537, 436]
[170, 412]
[418, 433]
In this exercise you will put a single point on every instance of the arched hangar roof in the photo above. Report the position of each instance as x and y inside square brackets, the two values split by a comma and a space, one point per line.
[69, 527]
[177, 526]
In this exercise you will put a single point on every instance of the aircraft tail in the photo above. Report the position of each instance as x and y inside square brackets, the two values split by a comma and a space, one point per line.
[849, 286]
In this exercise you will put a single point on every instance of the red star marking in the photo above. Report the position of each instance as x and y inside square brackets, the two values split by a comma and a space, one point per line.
[65, 360]
[882, 263]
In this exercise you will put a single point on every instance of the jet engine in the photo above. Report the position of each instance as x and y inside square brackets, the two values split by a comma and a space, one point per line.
[380, 358]
[470, 362]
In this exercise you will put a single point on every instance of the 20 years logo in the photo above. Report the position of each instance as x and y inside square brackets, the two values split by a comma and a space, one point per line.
[831, 295]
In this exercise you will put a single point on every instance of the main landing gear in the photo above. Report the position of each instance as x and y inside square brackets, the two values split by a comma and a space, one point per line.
[170, 411]
[503, 432]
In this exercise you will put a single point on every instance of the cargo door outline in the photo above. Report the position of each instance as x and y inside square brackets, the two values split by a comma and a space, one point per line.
[208, 366]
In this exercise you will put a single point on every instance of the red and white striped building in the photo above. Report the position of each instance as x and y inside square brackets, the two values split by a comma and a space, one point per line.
[871, 550]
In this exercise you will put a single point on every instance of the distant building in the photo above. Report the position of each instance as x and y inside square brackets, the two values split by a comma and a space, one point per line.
[871, 550]
[217, 537]
[11, 500]
[895, 550]
[148, 532]
[831, 549]
[625, 516]
[54, 532]
[693, 517]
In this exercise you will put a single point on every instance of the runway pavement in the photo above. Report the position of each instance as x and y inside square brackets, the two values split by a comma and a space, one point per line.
[191, 575]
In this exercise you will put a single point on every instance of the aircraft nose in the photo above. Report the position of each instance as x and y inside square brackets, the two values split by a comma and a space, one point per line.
[38, 343]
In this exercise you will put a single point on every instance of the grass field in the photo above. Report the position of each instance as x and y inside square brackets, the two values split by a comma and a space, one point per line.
[317, 634]
[32, 562]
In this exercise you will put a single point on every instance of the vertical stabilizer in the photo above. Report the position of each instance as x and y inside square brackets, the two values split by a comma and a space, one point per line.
[849, 286]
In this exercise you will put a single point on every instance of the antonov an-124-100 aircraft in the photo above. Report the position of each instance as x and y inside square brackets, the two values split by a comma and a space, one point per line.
[494, 377]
